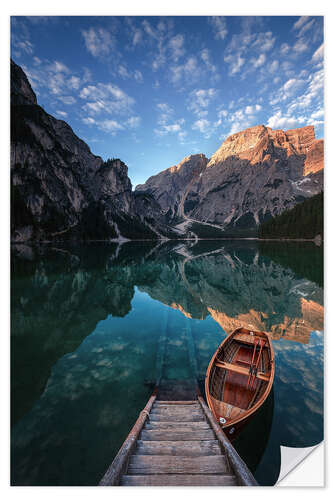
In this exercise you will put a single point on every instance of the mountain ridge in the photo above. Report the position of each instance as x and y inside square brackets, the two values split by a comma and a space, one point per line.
[61, 190]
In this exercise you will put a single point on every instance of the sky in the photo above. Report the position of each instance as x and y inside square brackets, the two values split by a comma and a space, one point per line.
[152, 90]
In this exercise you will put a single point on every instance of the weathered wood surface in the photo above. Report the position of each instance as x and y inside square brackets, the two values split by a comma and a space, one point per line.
[177, 445]
[177, 408]
[181, 448]
[240, 469]
[168, 403]
[242, 370]
[158, 417]
[148, 464]
[190, 426]
[179, 480]
[175, 435]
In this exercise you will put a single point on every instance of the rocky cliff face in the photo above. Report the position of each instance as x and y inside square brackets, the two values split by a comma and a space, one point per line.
[170, 187]
[255, 174]
[60, 190]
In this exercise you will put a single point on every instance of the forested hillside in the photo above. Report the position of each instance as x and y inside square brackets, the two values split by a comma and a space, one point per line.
[305, 220]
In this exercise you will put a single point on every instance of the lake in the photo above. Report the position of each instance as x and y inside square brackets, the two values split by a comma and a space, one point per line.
[91, 323]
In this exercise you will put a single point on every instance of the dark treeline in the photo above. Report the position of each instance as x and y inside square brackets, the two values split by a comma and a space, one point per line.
[305, 220]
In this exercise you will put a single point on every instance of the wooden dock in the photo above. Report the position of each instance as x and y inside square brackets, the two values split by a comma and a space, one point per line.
[177, 443]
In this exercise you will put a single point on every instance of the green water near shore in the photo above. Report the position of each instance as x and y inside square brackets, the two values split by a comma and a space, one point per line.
[88, 322]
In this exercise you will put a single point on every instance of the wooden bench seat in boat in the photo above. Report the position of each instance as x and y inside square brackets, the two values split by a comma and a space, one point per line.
[242, 370]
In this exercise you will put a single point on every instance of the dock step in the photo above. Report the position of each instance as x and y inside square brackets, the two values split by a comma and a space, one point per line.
[175, 435]
[180, 448]
[179, 480]
[190, 426]
[156, 417]
[163, 464]
[176, 444]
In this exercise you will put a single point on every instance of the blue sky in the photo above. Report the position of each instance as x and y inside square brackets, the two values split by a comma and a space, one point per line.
[152, 90]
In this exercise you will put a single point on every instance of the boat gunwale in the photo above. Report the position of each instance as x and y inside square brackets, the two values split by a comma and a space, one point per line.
[262, 399]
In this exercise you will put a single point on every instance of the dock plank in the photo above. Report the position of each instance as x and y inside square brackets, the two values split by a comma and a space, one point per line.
[158, 417]
[174, 435]
[179, 480]
[182, 448]
[193, 426]
[158, 464]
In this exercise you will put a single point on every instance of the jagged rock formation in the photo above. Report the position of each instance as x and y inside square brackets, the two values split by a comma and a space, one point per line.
[171, 186]
[255, 174]
[60, 190]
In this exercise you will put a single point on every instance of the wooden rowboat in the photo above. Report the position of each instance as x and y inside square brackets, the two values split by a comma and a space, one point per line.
[239, 378]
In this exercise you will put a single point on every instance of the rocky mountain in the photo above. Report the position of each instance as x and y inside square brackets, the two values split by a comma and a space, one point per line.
[171, 186]
[60, 190]
[255, 174]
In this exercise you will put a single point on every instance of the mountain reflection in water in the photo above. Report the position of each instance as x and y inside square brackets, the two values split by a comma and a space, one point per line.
[87, 323]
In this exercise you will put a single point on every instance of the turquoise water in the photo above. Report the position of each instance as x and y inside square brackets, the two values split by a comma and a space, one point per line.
[94, 326]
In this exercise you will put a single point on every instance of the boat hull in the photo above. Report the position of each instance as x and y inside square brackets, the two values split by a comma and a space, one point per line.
[239, 378]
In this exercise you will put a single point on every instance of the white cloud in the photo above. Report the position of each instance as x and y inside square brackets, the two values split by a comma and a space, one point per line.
[88, 121]
[95, 107]
[284, 49]
[58, 67]
[279, 121]
[317, 114]
[235, 61]
[263, 41]
[313, 94]
[176, 45]
[273, 66]
[250, 110]
[305, 28]
[63, 114]
[318, 54]
[111, 126]
[138, 76]
[67, 99]
[300, 46]
[149, 30]
[219, 25]
[133, 121]
[189, 70]
[170, 128]
[259, 61]
[181, 136]
[245, 45]
[74, 82]
[164, 107]
[107, 97]
[123, 72]
[98, 41]
[175, 127]
[287, 90]
[26, 46]
[300, 22]
[137, 37]
[202, 125]
[166, 112]
[200, 99]
[205, 56]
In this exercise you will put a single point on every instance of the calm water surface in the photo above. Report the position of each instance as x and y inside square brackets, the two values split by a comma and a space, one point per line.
[92, 324]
